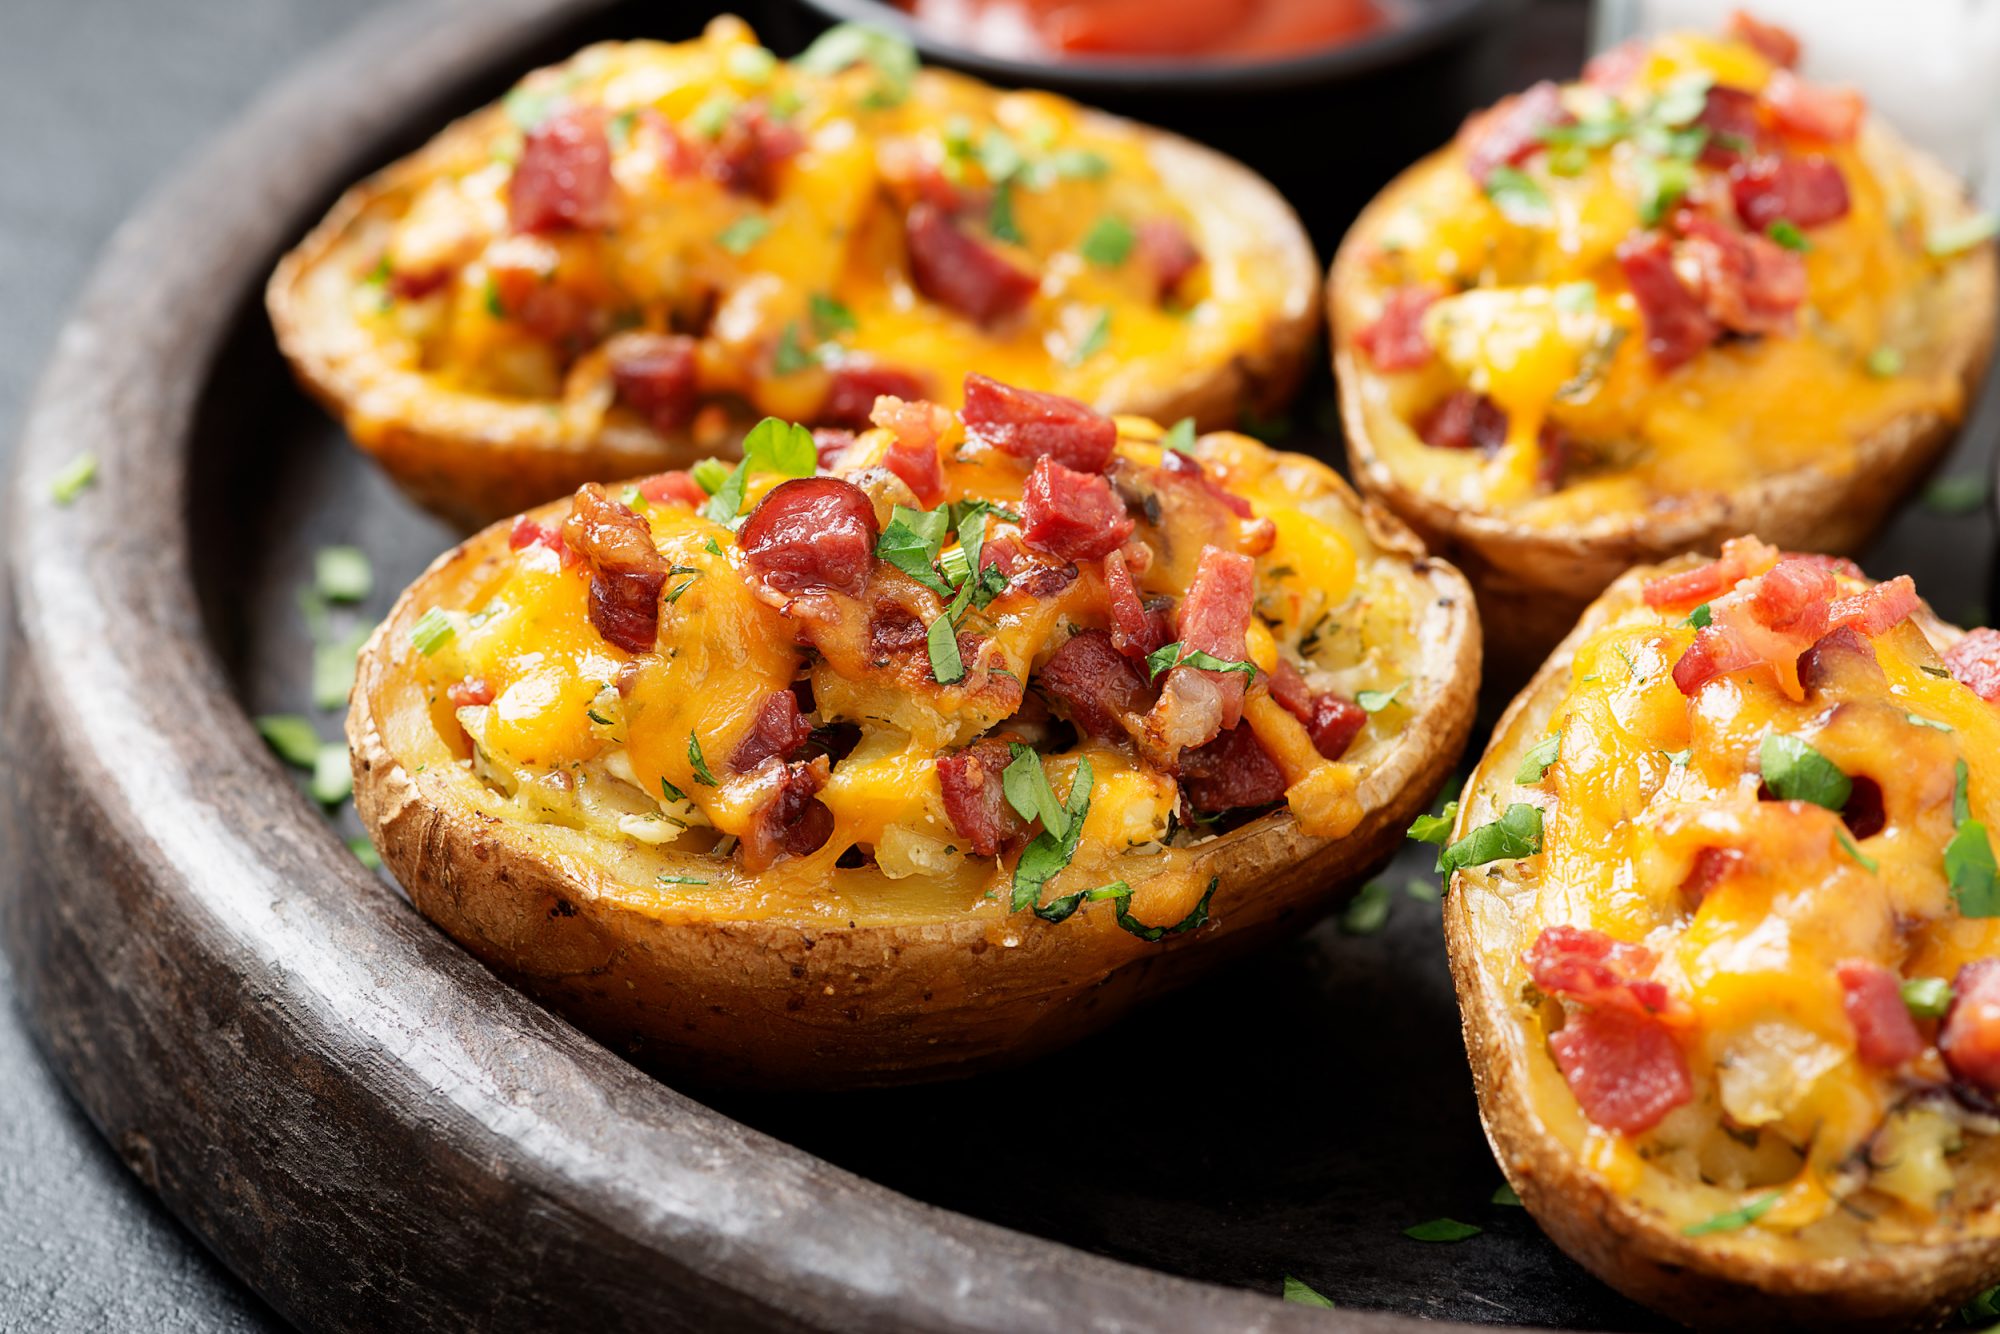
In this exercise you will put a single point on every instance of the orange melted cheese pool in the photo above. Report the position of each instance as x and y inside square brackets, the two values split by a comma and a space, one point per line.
[1537, 315]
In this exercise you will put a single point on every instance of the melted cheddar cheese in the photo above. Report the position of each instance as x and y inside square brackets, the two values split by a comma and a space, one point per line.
[1534, 313]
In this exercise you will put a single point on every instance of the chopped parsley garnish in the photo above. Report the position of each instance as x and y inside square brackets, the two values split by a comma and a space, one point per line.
[1679, 758]
[1954, 237]
[709, 545]
[74, 479]
[1537, 761]
[1026, 782]
[752, 64]
[1700, 618]
[494, 306]
[1926, 997]
[431, 632]
[790, 357]
[1735, 1220]
[1577, 298]
[1094, 339]
[892, 59]
[674, 594]
[1516, 834]
[708, 119]
[1435, 828]
[701, 773]
[710, 474]
[1848, 846]
[1050, 852]
[1507, 1195]
[772, 445]
[619, 129]
[1108, 243]
[1794, 771]
[1938, 672]
[941, 640]
[332, 779]
[1171, 655]
[1884, 362]
[1983, 1309]
[1442, 1229]
[1968, 859]
[830, 318]
[1179, 436]
[1662, 182]
[1955, 495]
[342, 574]
[292, 737]
[1078, 164]
[364, 852]
[1517, 194]
[1368, 911]
[739, 236]
[1374, 701]
[1298, 1294]
[1120, 894]
[1422, 890]
[1000, 214]
[911, 543]
[526, 107]
[670, 792]
[1787, 234]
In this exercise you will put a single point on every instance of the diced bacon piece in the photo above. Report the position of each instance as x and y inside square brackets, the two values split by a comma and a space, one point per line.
[1627, 1071]
[1791, 599]
[855, 385]
[976, 802]
[679, 157]
[1511, 132]
[469, 693]
[778, 729]
[626, 569]
[793, 820]
[1464, 420]
[830, 442]
[408, 285]
[1215, 619]
[527, 533]
[1885, 1036]
[1334, 724]
[528, 291]
[668, 488]
[656, 376]
[1711, 867]
[1396, 341]
[893, 630]
[1716, 651]
[1593, 969]
[1187, 468]
[1612, 70]
[1774, 43]
[1746, 283]
[1071, 515]
[1094, 685]
[1970, 1036]
[1975, 662]
[811, 533]
[563, 179]
[1677, 328]
[1878, 608]
[1029, 424]
[913, 455]
[1026, 573]
[1232, 771]
[1167, 252]
[752, 148]
[1832, 114]
[1841, 655]
[1741, 558]
[1135, 631]
[963, 274]
[1290, 690]
[1805, 191]
[1734, 125]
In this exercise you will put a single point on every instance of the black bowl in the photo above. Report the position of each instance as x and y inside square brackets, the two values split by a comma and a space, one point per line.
[1328, 128]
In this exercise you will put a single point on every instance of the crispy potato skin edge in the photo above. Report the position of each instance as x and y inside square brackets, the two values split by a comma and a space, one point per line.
[1698, 1281]
[773, 1003]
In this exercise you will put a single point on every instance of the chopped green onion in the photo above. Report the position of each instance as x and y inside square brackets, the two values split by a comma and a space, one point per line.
[1180, 436]
[710, 474]
[830, 317]
[364, 852]
[1735, 1220]
[432, 632]
[670, 792]
[739, 236]
[1926, 997]
[1108, 243]
[891, 57]
[332, 774]
[1955, 495]
[1968, 858]
[1094, 339]
[342, 574]
[1516, 194]
[1374, 701]
[1700, 618]
[1921, 721]
[293, 738]
[1787, 234]
[73, 479]
[789, 357]
[1884, 362]
[1368, 911]
[665, 879]
[1962, 235]
[752, 64]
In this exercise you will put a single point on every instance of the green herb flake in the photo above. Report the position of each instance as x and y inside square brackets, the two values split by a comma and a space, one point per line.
[1298, 1294]
[1576, 298]
[1956, 237]
[708, 119]
[364, 852]
[739, 236]
[911, 543]
[1516, 834]
[1700, 618]
[1683, 99]
[1435, 828]
[1442, 1229]
[1094, 339]
[342, 574]
[665, 879]
[1662, 182]
[1025, 781]
[1517, 194]
[830, 318]
[1537, 761]
[1919, 720]
[670, 792]
[1852, 849]
[73, 479]
[1050, 852]
[1884, 362]
[1680, 759]
[789, 357]
[1368, 911]
[1983, 1309]
[333, 664]
[432, 632]
[332, 774]
[1422, 890]
[1786, 233]
[1968, 858]
[1955, 495]
[1120, 894]
[1794, 771]
[491, 294]
[1507, 1195]
[1735, 1220]
[752, 64]
[526, 107]
[772, 445]
[291, 737]
[1370, 701]
[710, 474]
[1108, 243]
[941, 641]
[1926, 997]
[700, 765]
[619, 129]
[1179, 436]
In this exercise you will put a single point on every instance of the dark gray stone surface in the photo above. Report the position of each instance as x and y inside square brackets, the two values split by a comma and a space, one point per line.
[102, 99]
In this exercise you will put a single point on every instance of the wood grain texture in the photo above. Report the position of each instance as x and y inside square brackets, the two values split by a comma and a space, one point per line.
[358, 1118]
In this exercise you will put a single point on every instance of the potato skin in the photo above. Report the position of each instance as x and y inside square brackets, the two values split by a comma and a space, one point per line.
[777, 1003]
[472, 458]
[1705, 1282]
[1534, 582]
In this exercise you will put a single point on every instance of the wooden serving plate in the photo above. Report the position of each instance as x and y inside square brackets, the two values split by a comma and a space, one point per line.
[373, 1131]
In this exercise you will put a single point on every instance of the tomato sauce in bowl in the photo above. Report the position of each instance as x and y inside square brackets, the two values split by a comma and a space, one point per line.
[1224, 29]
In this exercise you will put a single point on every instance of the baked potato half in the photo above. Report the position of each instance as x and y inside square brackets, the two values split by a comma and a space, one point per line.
[1689, 296]
[929, 760]
[648, 247]
[1726, 939]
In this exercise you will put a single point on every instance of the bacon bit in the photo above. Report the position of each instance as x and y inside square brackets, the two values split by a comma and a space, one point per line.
[1511, 132]
[778, 729]
[1733, 123]
[1186, 467]
[521, 269]
[470, 692]
[1970, 1035]
[752, 148]
[960, 273]
[1232, 771]
[976, 801]
[913, 455]
[1879, 608]
[679, 158]
[1791, 599]
[1627, 1071]
[626, 569]
[1885, 1036]
[1166, 251]
[793, 820]
[894, 630]
[1290, 690]
[830, 442]
[1026, 573]
[1746, 282]
[1029, 424]
[1613, 69]
[1840, 653]
[855, 385]
[527, 533]
[1804, 191]
[1135, 632]
[1774, 43]
[1676, 325]
[405, 285]
[1832, 114]
[563, 180]
[656, 376]
[1396, 341]
[1334, 724]
[667, 488]
[1771, 621]
[1464, 420]
[1094, 685]
[1071, 515]
[1711, 867]
[1741, 558]
[1975, 662]
[1716, 651]
[1215, 619]
[811, 533]
[1592, 969]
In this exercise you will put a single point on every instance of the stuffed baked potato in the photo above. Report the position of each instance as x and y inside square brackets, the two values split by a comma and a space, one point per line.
[1726, 936]
[1689, 296]
[930, 758]
[648, 247]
